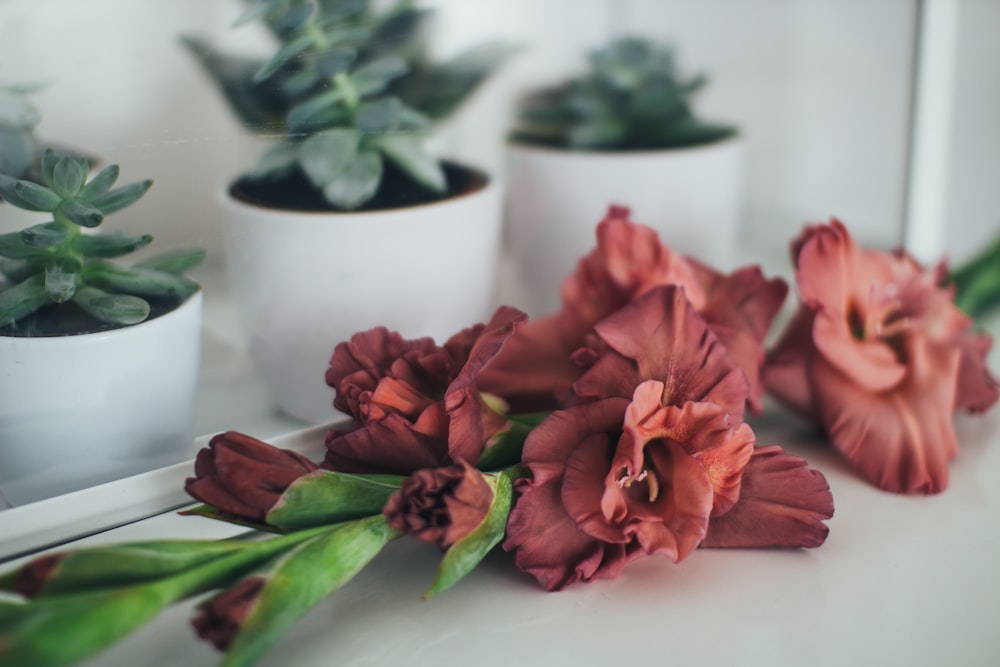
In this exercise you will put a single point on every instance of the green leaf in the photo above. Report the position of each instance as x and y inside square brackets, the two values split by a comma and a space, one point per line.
[68, 175]
[113, 308]
[464, 555]
[375, 76]
[347, 175]
[100, 185]
[283, 56]
[126, 564]
[119, 198]
[141, 281]
[27, 195]
[22, 299]
[175, 262]
[325, 497]
[407, 152]
[16, 270]
[336, 61]
[48, 164]
[381, 115]
[18, 151]
[600, 133]
[47, 235]
[304, 577]
[79, 212]
[253, 12]
[280, 159]
[12, 245]
[505, 449]
[61, 279]
[109, 245]
[314, 110]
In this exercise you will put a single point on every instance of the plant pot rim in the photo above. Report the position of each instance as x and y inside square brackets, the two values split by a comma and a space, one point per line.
[621, 155]
[488, 184]
[192, 301]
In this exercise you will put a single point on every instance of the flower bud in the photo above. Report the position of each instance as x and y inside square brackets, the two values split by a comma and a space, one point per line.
[243, 476]
[440, 505]
[221, 617]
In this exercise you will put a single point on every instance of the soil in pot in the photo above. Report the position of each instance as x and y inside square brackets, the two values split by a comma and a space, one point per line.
[67, 319]
[397, 190]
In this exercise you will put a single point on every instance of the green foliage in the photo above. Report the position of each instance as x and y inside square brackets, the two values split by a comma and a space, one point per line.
[630, 99]
[348, 87]
[18, 118]
[56, 262]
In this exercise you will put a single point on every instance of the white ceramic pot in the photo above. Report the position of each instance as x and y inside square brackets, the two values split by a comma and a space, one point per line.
[555, 198]
[81, 410]
[305, 281]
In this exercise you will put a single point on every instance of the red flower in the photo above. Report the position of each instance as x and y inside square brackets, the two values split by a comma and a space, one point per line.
[652, 453]
[535, 370]
[415, 404]
[440, 505]
[881, 357]
[222, 616]
[243, 476]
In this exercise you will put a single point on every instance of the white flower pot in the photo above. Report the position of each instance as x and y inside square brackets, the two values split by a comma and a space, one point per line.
[76, 411]
[305, 281]
[555, 198]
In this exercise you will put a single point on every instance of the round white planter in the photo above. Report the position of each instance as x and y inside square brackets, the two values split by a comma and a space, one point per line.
[555, 198]
[303, 282]
[81, 410]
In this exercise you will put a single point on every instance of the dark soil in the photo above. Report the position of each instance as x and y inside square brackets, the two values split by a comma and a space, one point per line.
[66, 319]
[397, 190]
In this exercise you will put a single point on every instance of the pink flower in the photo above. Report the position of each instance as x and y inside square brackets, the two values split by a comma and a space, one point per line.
[440, 505]
[881, 357]
[535, 370]
[415, 404]
[652, 454]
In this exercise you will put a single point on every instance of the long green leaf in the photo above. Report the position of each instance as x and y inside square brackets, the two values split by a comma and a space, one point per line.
[109, 245]
[302, 579]
[407, 152]
[113, 308]
[100, 185]
[79, 212]
[27, 195]
[175, 262]
[47, 235]
[119, 198]
[139, 281]
[23, 299]
[325, 497]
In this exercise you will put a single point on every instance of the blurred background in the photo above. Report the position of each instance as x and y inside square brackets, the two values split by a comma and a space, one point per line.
[821, 89]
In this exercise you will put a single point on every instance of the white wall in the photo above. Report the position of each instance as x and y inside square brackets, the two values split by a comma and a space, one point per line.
[819, 87]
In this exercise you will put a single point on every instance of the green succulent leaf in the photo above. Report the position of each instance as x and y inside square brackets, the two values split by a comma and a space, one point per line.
[381, 115]
[12, 245]
[68, 175]
[61, 278]
[16, 270]
[280, 159]
[375, 76]
[79, 212]
[18, 152]
[336, 61]
[27, 195]
[300, 83]
[597, 134]
[254, 11]
[347, 174]
[119, 198]
[113, 308]
[315, 110]
[46, 235]
[108, 245]
[22, 299]
[283, 56]
[303, 577]
[464, 555]
[174, 262]
[324, 497]
[99, 185]
[140, 281]
[407, 152]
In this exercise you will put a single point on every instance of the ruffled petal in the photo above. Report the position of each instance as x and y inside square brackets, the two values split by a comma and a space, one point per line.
[786, 372]
[902, 440]
[389, 446]
[977, 388]
[782, 504]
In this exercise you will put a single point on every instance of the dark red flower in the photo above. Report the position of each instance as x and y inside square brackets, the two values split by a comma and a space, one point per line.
[243, 476]
[534, 371]
[440, 505]
[881, 357]
[415, 404]
[220, 617]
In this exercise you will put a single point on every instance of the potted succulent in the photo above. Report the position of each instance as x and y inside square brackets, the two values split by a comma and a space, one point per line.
[347, 221]
[98, 361]
[621, 133]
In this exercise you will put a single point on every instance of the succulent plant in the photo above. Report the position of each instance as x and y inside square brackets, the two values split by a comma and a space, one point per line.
[630, 99]
[18, 118]
[349, 89]
[56, 262]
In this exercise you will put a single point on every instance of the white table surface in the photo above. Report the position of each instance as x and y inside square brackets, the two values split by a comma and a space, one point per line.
[901, 580]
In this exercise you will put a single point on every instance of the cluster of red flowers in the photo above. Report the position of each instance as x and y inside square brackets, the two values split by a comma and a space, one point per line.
[646, 373]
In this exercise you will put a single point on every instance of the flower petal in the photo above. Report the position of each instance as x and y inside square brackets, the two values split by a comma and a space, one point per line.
[977, 388]
[782, 504]
[786, 373]
[387, 446]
